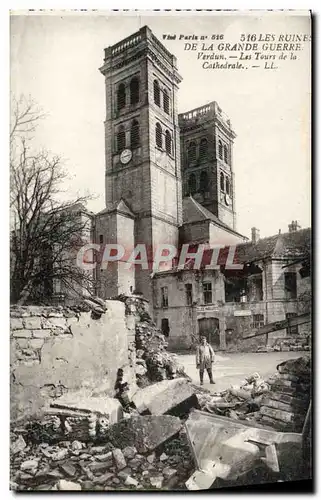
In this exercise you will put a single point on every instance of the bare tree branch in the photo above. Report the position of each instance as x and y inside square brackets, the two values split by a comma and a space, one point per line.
[47, 232]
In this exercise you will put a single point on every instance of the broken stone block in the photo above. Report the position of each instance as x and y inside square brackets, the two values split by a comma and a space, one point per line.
[129, 452]
[98, 449]
[271, 458]
[156, 481]
[68, 469]
[168, 473]
[163, 457]
[130, 481]
[144, 432]
[134, 463]
[151, 458]
[60, 455]
[122, 474]
[200, 480]
[46, 473]
[284, 416]
[68, 485]
[175, 397]
[99, 466]
[29, 466]
[103, 479]
[107, 457]
[119, 459]
[110, 407]
[18, 445]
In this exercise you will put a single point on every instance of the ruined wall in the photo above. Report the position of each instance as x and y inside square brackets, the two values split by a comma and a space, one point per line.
[56, 350]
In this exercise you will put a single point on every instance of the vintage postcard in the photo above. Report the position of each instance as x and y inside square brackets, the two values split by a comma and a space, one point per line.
[160, 243]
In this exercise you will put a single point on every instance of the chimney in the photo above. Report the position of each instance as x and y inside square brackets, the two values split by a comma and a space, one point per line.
[255, 235]
[294, 226]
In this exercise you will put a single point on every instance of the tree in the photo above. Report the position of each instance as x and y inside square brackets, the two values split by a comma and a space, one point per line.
[46, 232]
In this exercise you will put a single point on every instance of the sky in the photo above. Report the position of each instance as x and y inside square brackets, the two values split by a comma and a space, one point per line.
[56, 60]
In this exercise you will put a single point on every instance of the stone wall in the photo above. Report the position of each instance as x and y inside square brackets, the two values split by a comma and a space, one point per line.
[56, 350]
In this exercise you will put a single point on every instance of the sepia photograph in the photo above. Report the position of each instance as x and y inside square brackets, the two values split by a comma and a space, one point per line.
[160, 250]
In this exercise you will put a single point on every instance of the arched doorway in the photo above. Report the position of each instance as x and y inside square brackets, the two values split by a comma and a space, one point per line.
[210, 329]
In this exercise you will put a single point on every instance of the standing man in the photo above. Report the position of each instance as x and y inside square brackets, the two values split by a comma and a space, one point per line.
[204, 359]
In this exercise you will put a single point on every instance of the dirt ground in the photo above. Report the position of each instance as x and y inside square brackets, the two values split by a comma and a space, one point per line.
[231, 368]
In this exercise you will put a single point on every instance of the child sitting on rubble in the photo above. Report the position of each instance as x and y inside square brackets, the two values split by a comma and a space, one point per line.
[121, 393]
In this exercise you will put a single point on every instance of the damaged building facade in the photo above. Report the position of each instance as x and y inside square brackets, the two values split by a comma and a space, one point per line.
[228, 305]
[169, 179]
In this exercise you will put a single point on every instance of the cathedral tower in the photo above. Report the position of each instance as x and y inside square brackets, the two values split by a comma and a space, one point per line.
[207, 160]
[142, 145]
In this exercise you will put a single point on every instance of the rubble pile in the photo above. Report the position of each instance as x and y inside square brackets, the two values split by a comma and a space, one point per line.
[285, 344]
[238, 402]
[279, 403]
[163, 441]
[78, 465]
[286, 405]
[153, 362]
[151, 348]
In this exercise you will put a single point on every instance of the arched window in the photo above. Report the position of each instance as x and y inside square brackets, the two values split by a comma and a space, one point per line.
[222, 183]
[227, 186]
[204, 182]
[134, 90]
[121, 97]
[156, 93]
[134, 134]
[203, 149]
[166, 101]
[191, 152]
[192, 184]
[220, 150]
[121, 139]
[168, 142]
[225, 153]
[158, 134]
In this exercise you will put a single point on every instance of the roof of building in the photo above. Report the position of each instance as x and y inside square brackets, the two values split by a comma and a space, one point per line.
[120, 207]
[280, 246]
[195, 212]
[295, 246]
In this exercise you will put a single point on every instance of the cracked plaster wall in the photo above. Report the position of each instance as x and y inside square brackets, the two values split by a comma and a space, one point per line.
[55, 350]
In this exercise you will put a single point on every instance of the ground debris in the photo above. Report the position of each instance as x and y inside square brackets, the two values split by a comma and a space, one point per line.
[153, 452]
[90, 467]
[233, 451]
[279, 403]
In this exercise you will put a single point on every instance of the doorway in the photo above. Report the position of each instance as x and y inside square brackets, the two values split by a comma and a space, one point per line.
[210, 329]
[165, 327]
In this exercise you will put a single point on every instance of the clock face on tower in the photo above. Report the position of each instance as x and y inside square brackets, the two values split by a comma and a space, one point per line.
[126, 156]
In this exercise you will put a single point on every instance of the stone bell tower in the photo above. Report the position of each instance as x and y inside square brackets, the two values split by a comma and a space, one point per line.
[207, 141]
[142, 146]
